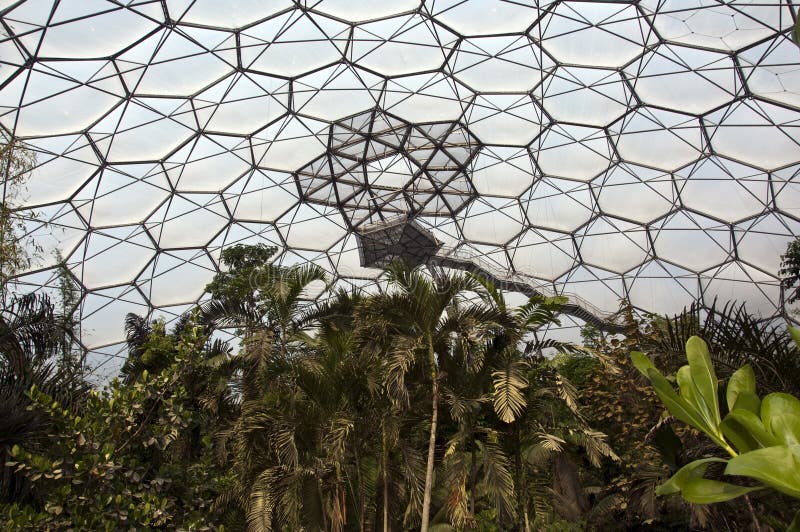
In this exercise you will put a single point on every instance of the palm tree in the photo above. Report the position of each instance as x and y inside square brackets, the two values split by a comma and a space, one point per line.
[536, 406]
[299, 448]
[425, 317]
[267, 306]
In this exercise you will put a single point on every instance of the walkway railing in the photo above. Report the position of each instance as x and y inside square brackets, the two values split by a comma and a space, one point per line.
[527, 284]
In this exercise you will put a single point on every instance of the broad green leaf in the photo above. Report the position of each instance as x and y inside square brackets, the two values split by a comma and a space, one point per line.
[689, 392]
[786, 428]
[641, 362]
[690, 471]
[780, 413]
[777, 467]
[752, 423]
[743, 380]
[677, 406]
[738, 435]
[748, 401]
[704, 377]
[706, 491]
[687, 388]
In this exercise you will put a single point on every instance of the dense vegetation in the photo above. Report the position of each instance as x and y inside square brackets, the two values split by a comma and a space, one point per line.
[434, 405]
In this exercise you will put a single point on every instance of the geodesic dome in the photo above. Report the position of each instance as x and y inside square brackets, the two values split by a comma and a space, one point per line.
[645, 149]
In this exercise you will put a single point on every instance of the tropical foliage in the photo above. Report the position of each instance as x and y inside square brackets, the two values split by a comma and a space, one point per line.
[433, 405]
[15, 164]
[761, 436]
[790, 271]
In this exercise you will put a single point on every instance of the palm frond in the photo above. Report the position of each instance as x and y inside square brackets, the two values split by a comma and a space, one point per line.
[509, 384]
[594, 442]
[569, 394]
[497, 481]
[456, 465]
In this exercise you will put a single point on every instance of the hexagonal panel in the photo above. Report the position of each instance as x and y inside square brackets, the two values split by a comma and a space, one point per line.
[656, 138]
[635, 193]
[723, 189]
[573, 152]
[492, 220]
[712, 25]
[545, 254]
[672, 77]
[205, 214]
[502, 171]
[558, 204]
[112, 256]
[587, 96]
[505, 119]
[613, 244]
[500, 64]
[401, 45]
[486, 17]
[292, 44]
[756, 133]
[692, 241]
[602, 34]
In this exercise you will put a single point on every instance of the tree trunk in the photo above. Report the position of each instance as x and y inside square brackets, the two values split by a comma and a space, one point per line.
[472, 472]
[324, 512]
[426, 500]
[385, 453]
[522, 510]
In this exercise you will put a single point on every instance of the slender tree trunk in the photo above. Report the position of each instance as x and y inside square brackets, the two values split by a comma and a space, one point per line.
[360, 495]
[385, 457]
[522, 511]
[324, 512]
[426, 500]
[472, 472]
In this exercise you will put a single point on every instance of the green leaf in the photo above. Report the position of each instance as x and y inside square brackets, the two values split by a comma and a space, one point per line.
[704, 378]
[780, 413]
[748, 401]
[678, 406]
[743, 380]
[752, 423]
[687, 387]
[641, 362]
[738, 435]
[793, 331]
[706, 491]
[777, 467]
[688, 472]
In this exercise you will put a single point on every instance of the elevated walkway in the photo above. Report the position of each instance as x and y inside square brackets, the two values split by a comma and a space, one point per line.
[517, 281]
[400, 238]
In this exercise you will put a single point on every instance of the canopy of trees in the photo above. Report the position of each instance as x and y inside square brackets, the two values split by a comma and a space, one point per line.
[435, 405]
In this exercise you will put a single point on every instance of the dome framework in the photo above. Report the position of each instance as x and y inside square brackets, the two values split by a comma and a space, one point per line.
[645, 150]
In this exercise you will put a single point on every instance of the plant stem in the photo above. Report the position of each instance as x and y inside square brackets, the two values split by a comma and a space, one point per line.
[426, 501]
[752, 513]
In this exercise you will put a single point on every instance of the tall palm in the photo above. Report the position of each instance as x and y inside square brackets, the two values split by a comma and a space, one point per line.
[526, 390]
[271, 318]
[425, 317]
[299, 448]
